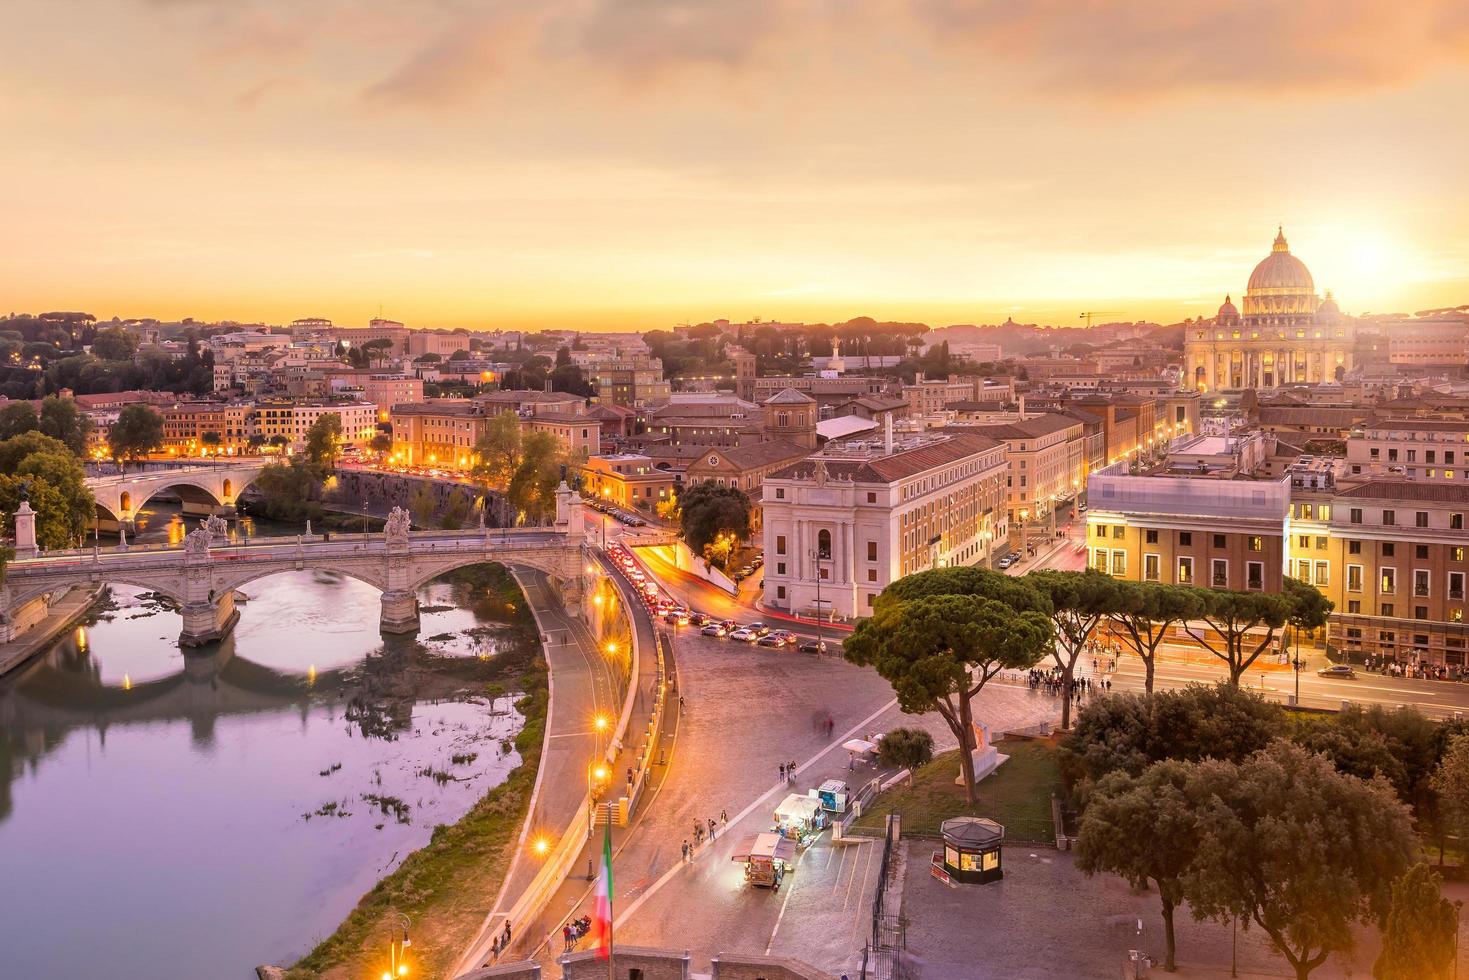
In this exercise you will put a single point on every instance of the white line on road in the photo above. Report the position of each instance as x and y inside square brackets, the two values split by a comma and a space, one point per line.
[668, 875]
[783, 903]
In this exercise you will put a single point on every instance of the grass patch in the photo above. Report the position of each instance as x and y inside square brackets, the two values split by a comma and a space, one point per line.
[1018, 794]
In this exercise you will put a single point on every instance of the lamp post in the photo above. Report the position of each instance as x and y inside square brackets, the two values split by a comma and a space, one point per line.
[816, 559]
[398, 949]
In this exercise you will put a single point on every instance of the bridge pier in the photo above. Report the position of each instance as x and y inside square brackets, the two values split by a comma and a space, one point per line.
[400, 612]
[209, 621]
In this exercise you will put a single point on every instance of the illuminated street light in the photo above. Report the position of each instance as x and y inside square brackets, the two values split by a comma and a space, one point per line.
[541, 846]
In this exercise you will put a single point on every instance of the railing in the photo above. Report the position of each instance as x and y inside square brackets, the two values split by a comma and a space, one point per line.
[883, 948]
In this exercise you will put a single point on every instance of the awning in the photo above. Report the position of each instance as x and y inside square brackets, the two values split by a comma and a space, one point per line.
[797, 807]
[766, 845]
[859, 745]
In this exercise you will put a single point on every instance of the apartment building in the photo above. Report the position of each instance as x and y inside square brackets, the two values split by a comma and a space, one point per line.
[1432, 449]
[440, 432]
[1199, 518]
[629, 480]
[292, 420]
[1397, 559]
[1045, 467]
[195, 428]
[745, 467]
[842, 524]
[633, 382]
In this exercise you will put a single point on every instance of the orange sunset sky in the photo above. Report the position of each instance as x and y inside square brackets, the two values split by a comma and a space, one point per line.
[635, 163]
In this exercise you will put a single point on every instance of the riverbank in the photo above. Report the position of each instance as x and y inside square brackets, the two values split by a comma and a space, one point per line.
[63, 614]
[447, 887]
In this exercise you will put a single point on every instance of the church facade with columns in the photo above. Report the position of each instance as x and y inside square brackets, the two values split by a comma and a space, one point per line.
[1285, 335]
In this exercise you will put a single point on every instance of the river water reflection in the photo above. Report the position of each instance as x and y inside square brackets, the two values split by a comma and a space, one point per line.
[170, 816]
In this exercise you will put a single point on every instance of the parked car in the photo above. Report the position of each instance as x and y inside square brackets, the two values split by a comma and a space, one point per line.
[1337, 670]
[812, 646]
[746, 571]
[714, 629]
[760, 628]
[746, 634]
[698, 619]
[770, 640]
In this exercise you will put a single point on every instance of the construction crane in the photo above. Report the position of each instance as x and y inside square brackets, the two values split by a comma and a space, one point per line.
[1087, 316]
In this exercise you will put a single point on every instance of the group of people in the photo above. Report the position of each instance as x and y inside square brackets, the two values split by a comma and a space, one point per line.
[1416, 669]
[1053, 682]
[788, 772]
[713, 827]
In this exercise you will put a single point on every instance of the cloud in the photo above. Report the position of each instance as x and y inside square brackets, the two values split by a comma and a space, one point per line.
[1161, 47]
[645, 37]
[464, 58]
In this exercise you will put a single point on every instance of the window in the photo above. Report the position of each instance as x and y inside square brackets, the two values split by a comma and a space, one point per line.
[1219, 573]
[1254, 575]
[1099, 559]
[1152, 537]
[1421, 612]
[780, 591]
[1389, 518]
[1119, 562]
[780, 493]
[1420, 551]
[1119, 532]
[1152, 566]
[1456, 585]
[872, 575]
[1354, 547]
[1456, 554]
[1185, 571]
[824, 573]
[1356, 515]
[871, 498]
[1257, 543]
[780, 544]
[1420, 519]
[1420, 583]
[1186, 539]
[1323, 573]
[780, 568]
[1388, 550]
[1219, 541]
[1354, 605]
[1456, 522]
[1386, 610]
[1389, 581]
[872, 551]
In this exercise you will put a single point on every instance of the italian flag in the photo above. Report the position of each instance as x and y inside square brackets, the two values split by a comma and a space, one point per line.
[602, 914]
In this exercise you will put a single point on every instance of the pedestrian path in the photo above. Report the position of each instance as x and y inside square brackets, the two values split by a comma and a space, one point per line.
[62, 613]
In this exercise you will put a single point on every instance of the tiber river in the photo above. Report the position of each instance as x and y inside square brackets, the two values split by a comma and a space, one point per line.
[164, 815]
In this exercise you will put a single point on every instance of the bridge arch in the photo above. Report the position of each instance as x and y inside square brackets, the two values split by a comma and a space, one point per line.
[306, 565]
[19, 595]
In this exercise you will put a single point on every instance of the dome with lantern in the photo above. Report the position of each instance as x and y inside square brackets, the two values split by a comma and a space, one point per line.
[1281, 285]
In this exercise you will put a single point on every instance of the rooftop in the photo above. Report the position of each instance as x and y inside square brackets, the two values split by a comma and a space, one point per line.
[869, 462]
[1442, 493]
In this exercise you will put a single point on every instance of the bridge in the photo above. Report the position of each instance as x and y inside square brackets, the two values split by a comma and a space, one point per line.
[203, 574]
[202, 488]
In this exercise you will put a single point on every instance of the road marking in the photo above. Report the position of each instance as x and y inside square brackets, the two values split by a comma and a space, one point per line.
[790, 888]
[835, 744]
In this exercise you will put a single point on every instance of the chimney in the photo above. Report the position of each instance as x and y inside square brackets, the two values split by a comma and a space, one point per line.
[1022, 408]
[548, 386]
[887, 433]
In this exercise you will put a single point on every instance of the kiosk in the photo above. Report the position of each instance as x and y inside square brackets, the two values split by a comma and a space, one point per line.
[971, 851]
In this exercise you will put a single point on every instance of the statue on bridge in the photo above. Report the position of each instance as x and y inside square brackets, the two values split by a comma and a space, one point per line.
[197, 541]
[218, 528]
[397, 526]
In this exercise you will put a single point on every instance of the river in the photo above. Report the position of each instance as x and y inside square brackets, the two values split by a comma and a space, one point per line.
[182, 816]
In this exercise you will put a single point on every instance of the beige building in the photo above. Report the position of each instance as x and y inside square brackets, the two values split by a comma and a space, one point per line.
[1047, 462]
[744, 467]
[1286, 335]
[292, 420]
[1433, 449]
[855, 517]
[629, 480]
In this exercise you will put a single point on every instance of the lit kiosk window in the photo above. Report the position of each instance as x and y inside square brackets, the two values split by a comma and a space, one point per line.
[971, 850]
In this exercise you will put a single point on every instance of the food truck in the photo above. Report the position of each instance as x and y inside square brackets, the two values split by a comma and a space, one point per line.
[799, 818]
[767, 858]
[833, 795]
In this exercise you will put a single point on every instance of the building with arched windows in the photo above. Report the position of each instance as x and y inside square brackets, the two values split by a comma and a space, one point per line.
[1285, 335]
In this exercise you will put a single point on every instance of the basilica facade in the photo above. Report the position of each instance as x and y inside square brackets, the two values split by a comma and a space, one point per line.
[1286, 335]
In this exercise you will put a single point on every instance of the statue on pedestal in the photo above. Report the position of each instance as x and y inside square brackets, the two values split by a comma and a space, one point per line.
[396, 529]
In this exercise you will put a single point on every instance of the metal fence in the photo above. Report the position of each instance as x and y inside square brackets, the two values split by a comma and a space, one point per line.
[882, 955]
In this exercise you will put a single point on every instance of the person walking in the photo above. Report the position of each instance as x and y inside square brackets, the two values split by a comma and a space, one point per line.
[711, 828]
[791, 771]
[566, 936]
[686, 850]
[723, 819]
[782, 772]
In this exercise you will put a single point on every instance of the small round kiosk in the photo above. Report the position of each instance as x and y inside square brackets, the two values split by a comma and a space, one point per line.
[972, 849]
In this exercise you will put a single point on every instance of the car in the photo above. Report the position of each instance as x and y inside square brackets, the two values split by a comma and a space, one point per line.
[758, 560]
[746, 634]
[1006, 562]
[812, 646]
[1081, 509]
[729, 625]
[770, 640]
[675, 617]
[760, 628]
[785, 636]
[746, 571]
[1337, 670]
[698, 619]
[714, 629]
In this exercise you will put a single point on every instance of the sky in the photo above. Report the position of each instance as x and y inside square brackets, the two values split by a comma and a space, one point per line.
[634, 164]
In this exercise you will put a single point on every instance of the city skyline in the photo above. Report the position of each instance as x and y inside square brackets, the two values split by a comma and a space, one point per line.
[604, 165]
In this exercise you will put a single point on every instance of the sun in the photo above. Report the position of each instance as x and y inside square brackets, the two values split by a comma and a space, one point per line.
[1361, 262]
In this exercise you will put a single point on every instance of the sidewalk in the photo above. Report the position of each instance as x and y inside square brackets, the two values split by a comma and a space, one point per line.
[63, 612]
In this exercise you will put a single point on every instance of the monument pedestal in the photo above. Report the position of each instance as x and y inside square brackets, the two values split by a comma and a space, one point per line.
[986, 759]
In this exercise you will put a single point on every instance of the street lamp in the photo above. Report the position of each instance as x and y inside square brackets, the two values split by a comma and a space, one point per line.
[601, 722]
[398, 949]
[816, 559]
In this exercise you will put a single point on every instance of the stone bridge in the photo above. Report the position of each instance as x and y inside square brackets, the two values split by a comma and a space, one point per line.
[203, 489]
[203, 574]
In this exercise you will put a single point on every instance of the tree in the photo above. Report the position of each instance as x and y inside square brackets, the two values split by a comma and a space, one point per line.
[938, 650]
[532, 489]
[708, 510]
[137, 432]
[324, 442]
[1144, 828]
[497, 452]
[211, 439]
[114, 344]
[56, 487]
[1293, 846]
[17, 418]
[905, 748]
[1129, 732]
[1451, 782]
[1232, 615]
[1419, 941]
[61, 419]
[422, 506]
[380, 443]
[1145, 611]
[290, 491]
[1308, 608]
[459, 355]
[456, 509]
[377, 350]
[1079, 601]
